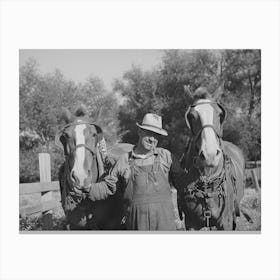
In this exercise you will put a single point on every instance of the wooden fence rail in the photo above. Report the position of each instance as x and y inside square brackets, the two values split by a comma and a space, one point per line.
[29, 188]
[46, 188]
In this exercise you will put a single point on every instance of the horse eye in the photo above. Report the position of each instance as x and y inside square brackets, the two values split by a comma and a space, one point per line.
[67, 150]
[65, 135]
[62, 138]
[190, 117]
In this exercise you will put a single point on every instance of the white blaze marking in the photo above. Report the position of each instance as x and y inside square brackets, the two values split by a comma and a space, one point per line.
[80, 153]
[209, 143]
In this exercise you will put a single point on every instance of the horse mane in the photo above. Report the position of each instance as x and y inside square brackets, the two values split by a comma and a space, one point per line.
[201, 93]
[66, 116]
[81, 111]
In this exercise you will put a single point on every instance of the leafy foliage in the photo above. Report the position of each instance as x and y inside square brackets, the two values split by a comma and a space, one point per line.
[232, 76]
[36, 223]
[41, 100]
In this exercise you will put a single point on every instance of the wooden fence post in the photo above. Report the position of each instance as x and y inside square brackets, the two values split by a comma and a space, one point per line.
[255, 179]
[45, 176]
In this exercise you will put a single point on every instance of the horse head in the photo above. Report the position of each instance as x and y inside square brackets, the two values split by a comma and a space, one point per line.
[205, 118]
[78, 139]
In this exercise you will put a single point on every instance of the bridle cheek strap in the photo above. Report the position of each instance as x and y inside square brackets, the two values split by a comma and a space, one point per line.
[95, 154]
[85, 146]
[205, 126]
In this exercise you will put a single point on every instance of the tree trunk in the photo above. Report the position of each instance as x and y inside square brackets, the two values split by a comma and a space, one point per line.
[252, 96]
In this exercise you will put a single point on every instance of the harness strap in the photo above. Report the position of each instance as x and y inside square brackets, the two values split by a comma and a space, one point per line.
[205, 102]
[131, 163]
[205, 126]
[85, 146]
[100, 164]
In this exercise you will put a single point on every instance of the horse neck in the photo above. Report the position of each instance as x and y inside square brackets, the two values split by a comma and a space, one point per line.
[95, 170]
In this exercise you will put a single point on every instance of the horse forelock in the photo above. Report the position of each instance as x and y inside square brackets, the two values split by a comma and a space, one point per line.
[201, 100]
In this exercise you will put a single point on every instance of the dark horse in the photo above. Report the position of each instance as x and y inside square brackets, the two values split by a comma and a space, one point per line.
[83, 166]
[216, 171]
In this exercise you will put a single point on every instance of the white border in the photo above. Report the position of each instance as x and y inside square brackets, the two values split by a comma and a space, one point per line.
[158, 24]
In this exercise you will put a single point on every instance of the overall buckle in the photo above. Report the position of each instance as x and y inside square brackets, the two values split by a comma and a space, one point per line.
[207, 216]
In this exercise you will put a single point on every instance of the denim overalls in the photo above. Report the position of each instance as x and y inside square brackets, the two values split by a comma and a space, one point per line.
[149, 198]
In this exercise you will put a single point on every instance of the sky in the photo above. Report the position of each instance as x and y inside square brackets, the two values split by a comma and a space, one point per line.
[78, 65]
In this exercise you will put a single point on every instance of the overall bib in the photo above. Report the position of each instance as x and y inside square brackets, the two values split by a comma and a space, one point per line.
[149, 198]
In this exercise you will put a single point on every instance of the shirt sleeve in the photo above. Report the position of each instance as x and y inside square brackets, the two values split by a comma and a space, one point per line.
[108, 185]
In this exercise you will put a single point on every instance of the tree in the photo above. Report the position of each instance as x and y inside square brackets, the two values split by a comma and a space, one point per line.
[138, 87]
[231, 76]
[41, 100]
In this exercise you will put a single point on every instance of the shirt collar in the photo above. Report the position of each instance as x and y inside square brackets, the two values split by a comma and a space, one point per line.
[154, 152]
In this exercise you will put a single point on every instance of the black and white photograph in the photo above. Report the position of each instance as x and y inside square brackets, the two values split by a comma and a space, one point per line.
[154, 140]
[139, 139]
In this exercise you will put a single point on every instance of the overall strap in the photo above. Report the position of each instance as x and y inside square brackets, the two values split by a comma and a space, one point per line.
[156, 163]
[129, 157]
[131, 165]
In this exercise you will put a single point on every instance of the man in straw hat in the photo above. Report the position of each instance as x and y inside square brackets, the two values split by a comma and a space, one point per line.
[146, 171]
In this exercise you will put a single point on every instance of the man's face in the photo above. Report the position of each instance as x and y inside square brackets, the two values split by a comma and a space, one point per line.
[148, 139]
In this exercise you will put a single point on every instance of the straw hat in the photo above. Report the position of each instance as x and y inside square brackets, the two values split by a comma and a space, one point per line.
[153, 123]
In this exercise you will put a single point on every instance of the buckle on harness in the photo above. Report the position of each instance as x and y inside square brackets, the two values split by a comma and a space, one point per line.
[207, 214]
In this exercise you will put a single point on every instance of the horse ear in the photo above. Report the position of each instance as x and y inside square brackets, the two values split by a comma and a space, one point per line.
[223, 115]
[99, 132]
[187, 120]
[57, 140]
[66, 115]
[189, 94]
[219, 91]
[81, 111]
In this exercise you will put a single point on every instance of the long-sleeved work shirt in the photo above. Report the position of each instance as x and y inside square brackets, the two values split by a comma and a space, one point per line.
[121, 170]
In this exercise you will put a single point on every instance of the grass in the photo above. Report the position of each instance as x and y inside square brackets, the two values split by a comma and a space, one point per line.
[250, 219]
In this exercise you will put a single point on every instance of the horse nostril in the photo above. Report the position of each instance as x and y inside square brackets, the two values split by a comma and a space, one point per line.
[218, 152]
[201, 155]
[72, 176]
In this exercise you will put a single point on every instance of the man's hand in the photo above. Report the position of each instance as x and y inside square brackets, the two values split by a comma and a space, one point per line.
[97, 192]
